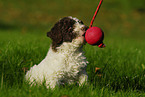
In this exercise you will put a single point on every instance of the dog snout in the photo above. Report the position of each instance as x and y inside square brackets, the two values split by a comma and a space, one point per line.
[85, 28]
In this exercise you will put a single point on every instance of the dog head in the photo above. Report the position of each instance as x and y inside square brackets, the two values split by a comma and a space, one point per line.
[67, 29]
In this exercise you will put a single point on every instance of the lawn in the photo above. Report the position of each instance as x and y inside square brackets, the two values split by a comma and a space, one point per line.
[23, 43]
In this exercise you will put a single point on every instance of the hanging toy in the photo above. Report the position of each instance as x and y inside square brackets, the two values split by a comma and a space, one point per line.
[95, 35]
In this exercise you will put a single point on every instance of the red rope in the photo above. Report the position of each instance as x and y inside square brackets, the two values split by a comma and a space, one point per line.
[96, 13]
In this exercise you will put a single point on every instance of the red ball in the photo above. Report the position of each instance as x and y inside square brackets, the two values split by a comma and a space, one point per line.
[94, 36]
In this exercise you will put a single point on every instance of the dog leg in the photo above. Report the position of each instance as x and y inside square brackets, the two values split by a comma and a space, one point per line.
[83, 78]
[51, 84]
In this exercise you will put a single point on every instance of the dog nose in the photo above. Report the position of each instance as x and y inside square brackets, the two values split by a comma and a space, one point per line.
[85, 28]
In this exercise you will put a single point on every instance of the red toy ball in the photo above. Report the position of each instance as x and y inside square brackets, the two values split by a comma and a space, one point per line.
[94, 36]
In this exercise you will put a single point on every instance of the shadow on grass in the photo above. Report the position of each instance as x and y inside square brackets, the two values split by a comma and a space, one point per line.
[6, 26]
[141, 10]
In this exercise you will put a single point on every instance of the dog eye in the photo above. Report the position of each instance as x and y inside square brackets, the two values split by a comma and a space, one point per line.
[84, 28]
[81, 22]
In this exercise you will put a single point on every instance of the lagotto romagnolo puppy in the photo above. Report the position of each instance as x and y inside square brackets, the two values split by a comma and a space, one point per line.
[65, 62]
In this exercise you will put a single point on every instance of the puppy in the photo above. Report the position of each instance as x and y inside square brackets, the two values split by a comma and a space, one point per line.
[65, 62]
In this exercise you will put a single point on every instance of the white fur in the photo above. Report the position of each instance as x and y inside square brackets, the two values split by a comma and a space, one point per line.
[66, 65]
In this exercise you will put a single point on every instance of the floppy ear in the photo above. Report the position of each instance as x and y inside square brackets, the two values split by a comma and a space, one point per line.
[62, 32]
[55, 35]
[68, 37]
[67, 29]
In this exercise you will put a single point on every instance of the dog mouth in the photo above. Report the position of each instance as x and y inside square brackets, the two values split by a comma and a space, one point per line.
[84, 34]
[85, 28]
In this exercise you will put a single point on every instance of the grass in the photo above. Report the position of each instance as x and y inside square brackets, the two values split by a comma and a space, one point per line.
[23, 43]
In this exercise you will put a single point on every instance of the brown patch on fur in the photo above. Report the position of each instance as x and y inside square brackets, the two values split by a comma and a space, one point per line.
[62, 32]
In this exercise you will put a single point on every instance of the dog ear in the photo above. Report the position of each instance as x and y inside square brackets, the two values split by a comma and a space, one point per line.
[55, 36]
[67, 29]
[62, 32]
[68, 37]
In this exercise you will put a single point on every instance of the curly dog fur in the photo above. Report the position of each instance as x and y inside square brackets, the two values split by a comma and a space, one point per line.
[65, 62]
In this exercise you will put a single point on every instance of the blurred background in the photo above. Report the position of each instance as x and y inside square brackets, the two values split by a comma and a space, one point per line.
[118, 18]
[23, 40]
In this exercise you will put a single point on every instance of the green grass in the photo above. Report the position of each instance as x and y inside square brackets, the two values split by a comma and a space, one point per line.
[23, 43]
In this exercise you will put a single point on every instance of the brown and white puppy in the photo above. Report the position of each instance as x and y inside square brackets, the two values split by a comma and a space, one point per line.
[65, 62]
